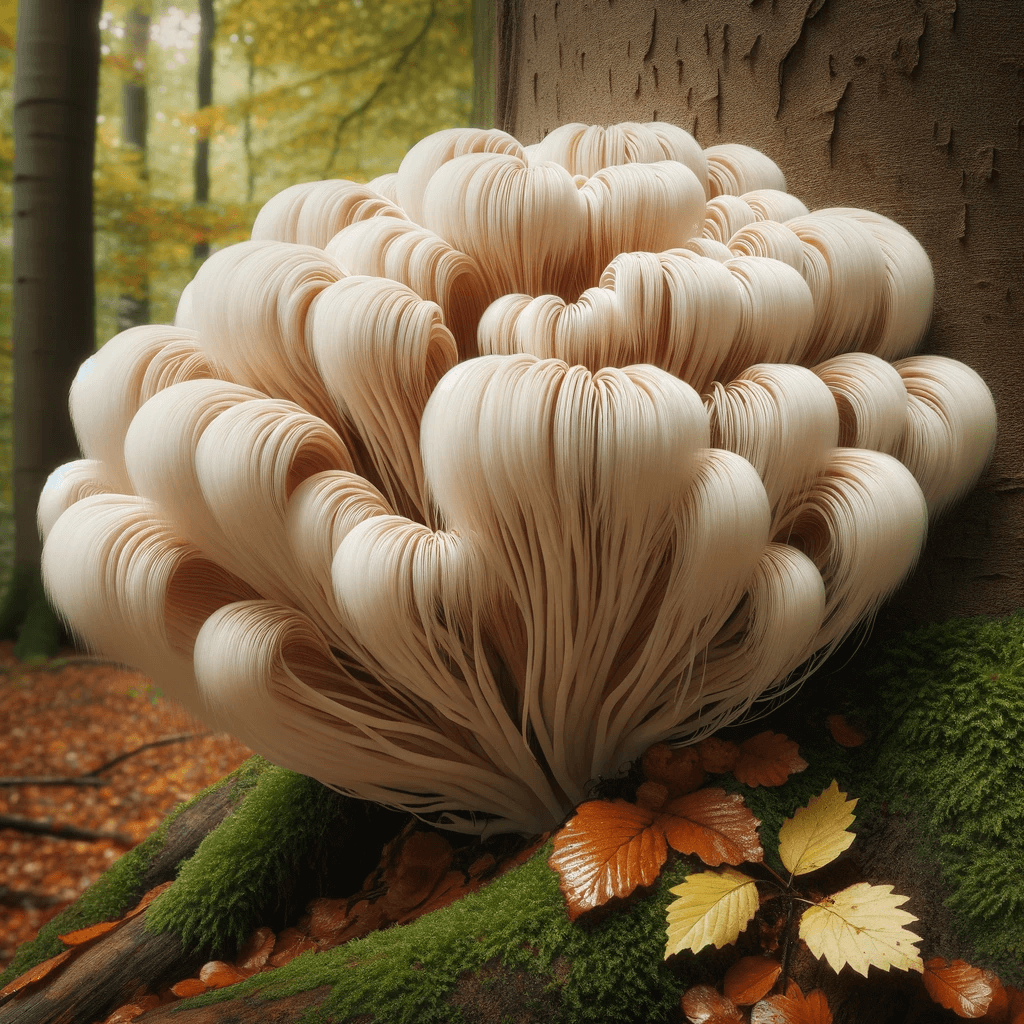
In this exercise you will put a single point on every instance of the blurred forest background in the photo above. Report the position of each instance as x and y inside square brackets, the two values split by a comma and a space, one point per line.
[207, 108]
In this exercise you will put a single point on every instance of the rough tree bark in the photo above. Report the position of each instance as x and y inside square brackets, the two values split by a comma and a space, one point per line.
[914, 108]
[53, 331]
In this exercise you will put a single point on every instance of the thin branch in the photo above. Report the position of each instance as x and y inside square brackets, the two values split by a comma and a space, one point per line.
[24, 899]
[92, 778]
[44, 828]
[381, 86]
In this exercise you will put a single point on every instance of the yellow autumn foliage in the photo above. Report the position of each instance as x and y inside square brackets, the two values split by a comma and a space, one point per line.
[817, 833]
[712, 909]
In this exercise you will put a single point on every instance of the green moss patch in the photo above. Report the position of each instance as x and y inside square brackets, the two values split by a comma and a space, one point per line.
[425, 971]
[257, 861]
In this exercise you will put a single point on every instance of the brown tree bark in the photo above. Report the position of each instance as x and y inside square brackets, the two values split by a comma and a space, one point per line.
[53, 329]
[913, 108]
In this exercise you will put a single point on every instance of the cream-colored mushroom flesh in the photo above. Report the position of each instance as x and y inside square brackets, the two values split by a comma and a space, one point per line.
[459, 489]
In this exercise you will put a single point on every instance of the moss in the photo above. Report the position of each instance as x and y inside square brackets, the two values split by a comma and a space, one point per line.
[252, 862]
[951, 750]
[613, 971]
[117, 889]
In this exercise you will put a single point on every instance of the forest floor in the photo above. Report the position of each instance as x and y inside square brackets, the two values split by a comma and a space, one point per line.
[67, 717]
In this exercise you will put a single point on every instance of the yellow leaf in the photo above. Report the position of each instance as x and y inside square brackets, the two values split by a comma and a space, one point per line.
[817, 834]
[712, 909]
[862, 925]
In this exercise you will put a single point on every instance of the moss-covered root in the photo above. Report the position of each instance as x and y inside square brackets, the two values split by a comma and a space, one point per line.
[153, 861]
[508, 948]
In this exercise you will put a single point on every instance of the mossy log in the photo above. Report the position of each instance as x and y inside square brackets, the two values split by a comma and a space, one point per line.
[941, 817]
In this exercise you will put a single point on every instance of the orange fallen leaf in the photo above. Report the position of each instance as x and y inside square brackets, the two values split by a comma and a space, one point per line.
[364, 918]
[188, 987]
[422, 860]
[124, 1014]
[94, 931]
[998, 1011]
[148, 898]
[256, 951]
[679, 769]
[959, 987]
[217, 974]
[326, 917]
[1015, 1010]
[704, 1005]
[792, 1008]
[716, 755]
[290, 944]
[482, 865]
[606, 850]
[37, 973]
[843, 733]
[716, 826]
[768, 759]
[750, 979]
[652, 796]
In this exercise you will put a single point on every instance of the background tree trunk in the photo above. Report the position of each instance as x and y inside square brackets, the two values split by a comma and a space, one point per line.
[53, 330]
[913, 108]
[204, 98]
[133, 303]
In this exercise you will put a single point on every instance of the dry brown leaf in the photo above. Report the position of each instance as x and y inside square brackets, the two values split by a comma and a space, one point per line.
[94, 931]
[750, 979]
[256, 951]
[703, 1004]
[37, 973]
[188, 987]
[606, 850]
[679, 769]
[365, 917]
[716, 826]
[326, 918]
[843, 733]
[768, 759]
[290, 943]
[717, 756]
[959, 987]
[420, 863]
[218, 974]
[792, 1008]
[148, 898]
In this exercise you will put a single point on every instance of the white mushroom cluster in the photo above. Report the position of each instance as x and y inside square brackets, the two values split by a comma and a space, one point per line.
[459, 489]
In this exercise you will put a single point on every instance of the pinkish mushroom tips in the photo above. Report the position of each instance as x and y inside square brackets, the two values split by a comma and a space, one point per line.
[459, 490]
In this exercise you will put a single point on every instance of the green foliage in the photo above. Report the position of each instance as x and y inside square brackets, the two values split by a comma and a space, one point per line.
[251, 862]
[611, 972]
[119, 888]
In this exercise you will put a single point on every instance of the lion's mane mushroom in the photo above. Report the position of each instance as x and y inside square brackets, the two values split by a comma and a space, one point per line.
[459, 489]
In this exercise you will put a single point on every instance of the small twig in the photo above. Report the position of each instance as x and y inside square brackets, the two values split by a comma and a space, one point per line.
[25, 899]
[92, 778]
[166, 741]
[44, 828]
[51, 780]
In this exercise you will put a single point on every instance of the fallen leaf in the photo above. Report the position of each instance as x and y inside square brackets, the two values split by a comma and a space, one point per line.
[862, 925]
[124, 1014]
[290, 943]
[256, 951]
[750, 979]
[422, 860]
[1015, 1010]
[37, 973]
[843, 733]
[84, 935]
[998, 1011]
[217, 974]
[712, 909]
[792, 1008]
[716, 826]
[703, 1004]
[959, 987]
[606, 850]
[817, 833]
[768, 759]
[651, 796]
[679, 769]
[148, 898]
[188, 987]
[717, 756]
[326, 917]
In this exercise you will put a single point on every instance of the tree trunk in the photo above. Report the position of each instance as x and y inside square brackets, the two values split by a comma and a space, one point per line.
[53, 330]
[133, 302]
[912, 108]
[204, 98]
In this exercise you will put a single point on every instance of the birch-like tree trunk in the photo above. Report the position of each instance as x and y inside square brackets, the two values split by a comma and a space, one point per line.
[913, 108]
[53, 329]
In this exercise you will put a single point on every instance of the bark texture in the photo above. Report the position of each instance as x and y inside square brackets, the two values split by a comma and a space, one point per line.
[913, 108]
[54, 127]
